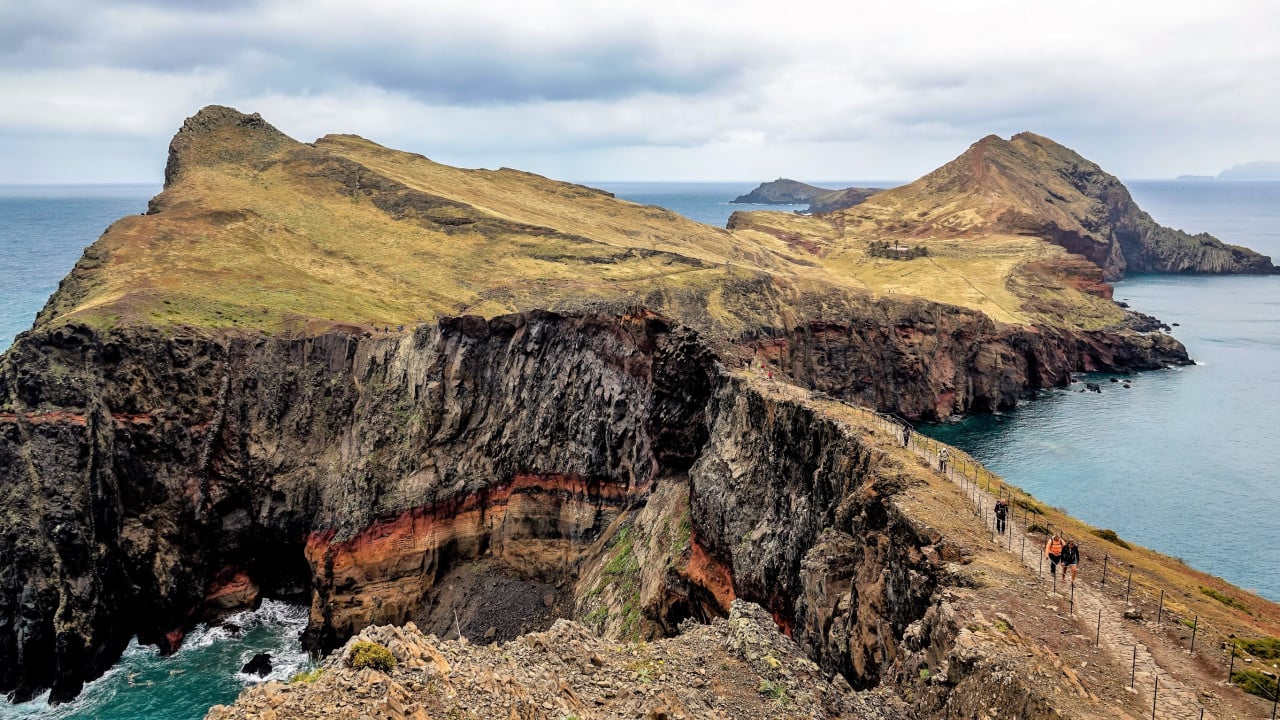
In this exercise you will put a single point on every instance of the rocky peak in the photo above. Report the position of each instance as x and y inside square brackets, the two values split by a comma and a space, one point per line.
[1032, 185]
[221, 134]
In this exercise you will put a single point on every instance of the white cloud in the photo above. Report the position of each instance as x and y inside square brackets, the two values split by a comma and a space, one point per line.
[664, 89]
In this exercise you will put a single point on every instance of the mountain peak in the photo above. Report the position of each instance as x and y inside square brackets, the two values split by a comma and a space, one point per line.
[1031, 185]
[218, 134]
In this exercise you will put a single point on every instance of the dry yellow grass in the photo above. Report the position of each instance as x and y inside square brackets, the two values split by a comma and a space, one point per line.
[257, 230]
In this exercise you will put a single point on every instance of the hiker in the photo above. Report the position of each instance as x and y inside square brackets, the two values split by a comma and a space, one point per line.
[1002, 510]
[943, 456]
[1070, 559]
[1053, 551]
[906, 436]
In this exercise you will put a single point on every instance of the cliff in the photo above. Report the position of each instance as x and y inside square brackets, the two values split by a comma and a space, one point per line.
[1030, 185]
[782, 192]
[485, 400]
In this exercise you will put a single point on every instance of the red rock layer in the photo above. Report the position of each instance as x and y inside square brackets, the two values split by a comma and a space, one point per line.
[535, 524]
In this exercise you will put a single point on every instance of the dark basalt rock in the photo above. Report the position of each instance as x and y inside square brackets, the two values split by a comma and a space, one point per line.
[142, 471]
[260, 665]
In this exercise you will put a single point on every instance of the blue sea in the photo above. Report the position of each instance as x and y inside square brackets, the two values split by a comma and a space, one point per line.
[1181, 462]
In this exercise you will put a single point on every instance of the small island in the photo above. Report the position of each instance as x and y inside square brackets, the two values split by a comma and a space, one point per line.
[782, 192]
[793, 192]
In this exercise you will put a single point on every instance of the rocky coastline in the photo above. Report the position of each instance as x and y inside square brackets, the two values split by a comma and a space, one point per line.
[154, 480]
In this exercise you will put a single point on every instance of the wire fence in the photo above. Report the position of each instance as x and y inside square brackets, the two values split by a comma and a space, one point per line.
[1135, 597]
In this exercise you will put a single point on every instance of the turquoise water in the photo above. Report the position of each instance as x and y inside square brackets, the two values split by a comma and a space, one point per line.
[203, 673]
[1184, 462]
[1180, 462]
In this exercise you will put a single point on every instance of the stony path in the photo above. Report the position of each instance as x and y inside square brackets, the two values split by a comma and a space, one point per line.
[1173, 700]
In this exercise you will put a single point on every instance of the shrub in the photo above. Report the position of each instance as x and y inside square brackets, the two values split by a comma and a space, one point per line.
[307, 676]
[1256, 682]
[1264, 648]
[1111, 537]
[365, 654]
[1036, 527]
[1223, 598]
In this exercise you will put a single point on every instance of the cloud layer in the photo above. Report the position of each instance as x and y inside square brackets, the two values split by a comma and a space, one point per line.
[646, 90]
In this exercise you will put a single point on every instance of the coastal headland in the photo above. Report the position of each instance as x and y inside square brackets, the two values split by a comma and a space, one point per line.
[491, 403]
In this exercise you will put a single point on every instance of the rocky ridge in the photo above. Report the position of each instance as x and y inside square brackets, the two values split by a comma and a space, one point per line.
[1031, 185]
[170, 452]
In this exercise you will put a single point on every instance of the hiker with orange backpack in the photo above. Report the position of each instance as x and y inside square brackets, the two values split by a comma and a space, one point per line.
[1053, 551]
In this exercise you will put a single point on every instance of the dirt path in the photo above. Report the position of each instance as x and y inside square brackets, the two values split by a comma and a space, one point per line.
[1173, 683]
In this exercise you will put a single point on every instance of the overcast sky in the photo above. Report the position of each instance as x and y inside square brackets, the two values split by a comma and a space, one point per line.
[92, 90]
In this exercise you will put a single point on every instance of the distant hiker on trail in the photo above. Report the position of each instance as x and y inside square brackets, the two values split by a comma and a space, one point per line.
[906, 436]
[1053, 551]
[1002, 510]
[1070, 559]
[943, 456]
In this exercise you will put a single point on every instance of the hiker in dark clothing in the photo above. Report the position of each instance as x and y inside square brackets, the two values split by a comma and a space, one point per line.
[906, 436]
[1002, 510]
[1070, 560]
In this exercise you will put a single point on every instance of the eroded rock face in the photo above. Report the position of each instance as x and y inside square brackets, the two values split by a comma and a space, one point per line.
[331, 464]
[928, 361]
[152, 481]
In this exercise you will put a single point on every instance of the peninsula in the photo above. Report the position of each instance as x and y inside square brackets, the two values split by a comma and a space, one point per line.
[493, 404]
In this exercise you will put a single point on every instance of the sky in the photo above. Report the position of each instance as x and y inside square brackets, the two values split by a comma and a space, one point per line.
[92, 90]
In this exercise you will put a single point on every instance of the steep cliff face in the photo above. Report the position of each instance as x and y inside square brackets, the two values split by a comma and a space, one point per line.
[927, 361]
[141, 472]
[803, 513]
[150, 480]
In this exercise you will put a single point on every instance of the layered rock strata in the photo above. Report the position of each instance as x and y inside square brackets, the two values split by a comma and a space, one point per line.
[151, 481]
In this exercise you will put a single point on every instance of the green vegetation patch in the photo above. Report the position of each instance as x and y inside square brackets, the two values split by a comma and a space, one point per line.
[1029, 506]
[308, 676]
[1263, 648]
[1111, 537]
[1224, 598]
[365, 654]
[774, 690]
[894, 251]
[1256, 682]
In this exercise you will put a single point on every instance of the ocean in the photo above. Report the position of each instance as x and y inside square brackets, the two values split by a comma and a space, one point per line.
[1181, 462]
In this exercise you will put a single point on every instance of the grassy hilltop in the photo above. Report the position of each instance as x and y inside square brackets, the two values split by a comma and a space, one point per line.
[255, 229]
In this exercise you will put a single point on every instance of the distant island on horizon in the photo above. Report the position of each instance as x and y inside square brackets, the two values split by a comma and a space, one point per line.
[1257, 170]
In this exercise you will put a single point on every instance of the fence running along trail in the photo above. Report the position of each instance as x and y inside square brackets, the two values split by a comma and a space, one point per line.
[1143, 599]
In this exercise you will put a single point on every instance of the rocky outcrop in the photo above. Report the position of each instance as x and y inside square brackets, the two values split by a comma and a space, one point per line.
[841, 199]
[741, 668]
[140, 471]
[782, 192]
[927, 361]
[1031, 185]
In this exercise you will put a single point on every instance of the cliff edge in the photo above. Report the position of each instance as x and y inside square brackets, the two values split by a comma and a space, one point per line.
[349, 376]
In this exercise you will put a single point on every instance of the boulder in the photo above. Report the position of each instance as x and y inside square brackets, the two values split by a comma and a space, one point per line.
[260, 665]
